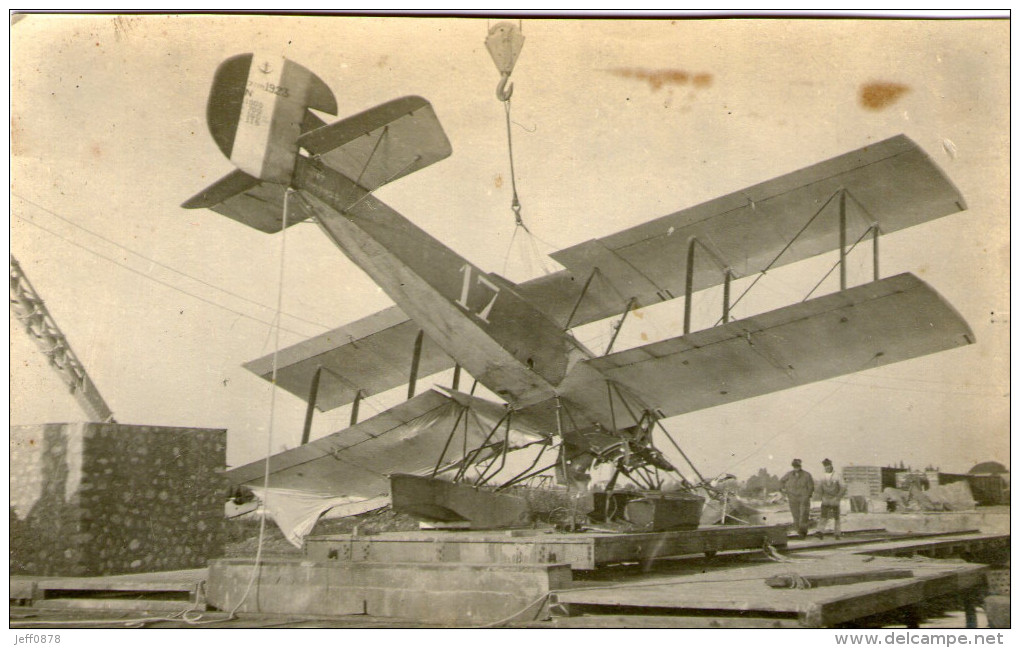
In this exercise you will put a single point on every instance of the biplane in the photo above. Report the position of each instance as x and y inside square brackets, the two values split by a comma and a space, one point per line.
[516, 339]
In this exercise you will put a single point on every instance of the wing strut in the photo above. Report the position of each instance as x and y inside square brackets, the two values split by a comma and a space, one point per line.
[875, 232]
[313, 394]
[689, 285]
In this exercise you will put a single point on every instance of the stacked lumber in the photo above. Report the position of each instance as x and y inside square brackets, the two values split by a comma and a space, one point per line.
[103, 498]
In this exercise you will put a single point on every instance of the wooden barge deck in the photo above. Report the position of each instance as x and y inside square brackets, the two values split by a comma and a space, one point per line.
[727, 590]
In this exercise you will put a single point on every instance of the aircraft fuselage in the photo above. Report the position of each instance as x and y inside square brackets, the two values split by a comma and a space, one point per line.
[477, 318]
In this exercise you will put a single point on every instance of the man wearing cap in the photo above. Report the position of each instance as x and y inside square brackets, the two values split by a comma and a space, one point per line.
[832, 490]
[798, 485]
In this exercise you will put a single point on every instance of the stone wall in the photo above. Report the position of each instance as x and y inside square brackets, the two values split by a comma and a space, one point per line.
[103, 498]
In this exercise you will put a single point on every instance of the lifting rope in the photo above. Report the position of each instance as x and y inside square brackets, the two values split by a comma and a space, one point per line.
[257, 563]
[504, 42]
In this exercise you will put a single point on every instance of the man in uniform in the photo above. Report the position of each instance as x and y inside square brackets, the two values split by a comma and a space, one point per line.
[798, 485]
[832, 491]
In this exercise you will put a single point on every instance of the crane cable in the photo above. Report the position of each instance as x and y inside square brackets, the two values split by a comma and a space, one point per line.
[504, 42]
[515, 203]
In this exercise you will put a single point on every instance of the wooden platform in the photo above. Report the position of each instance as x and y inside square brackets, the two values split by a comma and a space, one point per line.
[727, 590]
[582, 551]
[738, 596]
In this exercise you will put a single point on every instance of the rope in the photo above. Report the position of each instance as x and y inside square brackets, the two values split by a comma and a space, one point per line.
[540, 601]
[211, 302]
[515, 204]
[150, 259]
[796, 581]
[272, 414]
[510, 247]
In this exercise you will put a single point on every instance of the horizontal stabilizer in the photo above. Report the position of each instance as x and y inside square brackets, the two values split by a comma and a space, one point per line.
[248, 200]
[381, 144]
[861, 328]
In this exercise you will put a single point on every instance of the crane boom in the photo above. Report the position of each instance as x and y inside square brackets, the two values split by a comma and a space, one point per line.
[28, 307]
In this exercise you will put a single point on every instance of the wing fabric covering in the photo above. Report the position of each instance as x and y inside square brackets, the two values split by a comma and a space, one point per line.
[893, 183]
[868, 326]
[372, 355]
[352, 466]
[381, 144]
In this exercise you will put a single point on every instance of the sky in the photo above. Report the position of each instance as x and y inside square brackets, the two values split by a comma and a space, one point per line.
[163, 304]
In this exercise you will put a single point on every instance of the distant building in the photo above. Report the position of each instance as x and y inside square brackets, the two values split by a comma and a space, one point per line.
[989, 481]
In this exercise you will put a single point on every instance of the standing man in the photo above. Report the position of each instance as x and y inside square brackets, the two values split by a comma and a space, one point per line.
[832, 491]
[798, 485]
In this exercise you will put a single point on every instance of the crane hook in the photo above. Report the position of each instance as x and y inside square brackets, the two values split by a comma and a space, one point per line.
[503, 91]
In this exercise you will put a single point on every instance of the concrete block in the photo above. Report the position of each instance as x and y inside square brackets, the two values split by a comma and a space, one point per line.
[23, 589]
[448, 593]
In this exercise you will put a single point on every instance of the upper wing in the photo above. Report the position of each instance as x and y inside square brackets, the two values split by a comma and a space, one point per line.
[892, 183]
[373, 354]
[894, 180]
[861, 328]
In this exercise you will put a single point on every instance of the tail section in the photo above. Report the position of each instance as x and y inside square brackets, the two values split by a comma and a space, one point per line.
[259, 116]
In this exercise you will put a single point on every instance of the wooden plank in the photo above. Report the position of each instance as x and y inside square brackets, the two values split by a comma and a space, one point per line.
[662, 621]
[582, 551]
[875, 600]
[742, 591]
[146, 605]
[110, 585]
[970, 541]
[652, 546]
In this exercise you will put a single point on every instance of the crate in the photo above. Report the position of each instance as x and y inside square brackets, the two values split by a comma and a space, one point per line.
[876, 478]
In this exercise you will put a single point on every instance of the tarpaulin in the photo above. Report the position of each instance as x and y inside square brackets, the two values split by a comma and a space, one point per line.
[351, 468]
[294, 511]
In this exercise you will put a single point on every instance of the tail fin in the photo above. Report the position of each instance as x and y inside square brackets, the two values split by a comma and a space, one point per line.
[257, 107]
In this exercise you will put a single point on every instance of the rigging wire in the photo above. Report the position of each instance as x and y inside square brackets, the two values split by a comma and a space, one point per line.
[151, 278]
[155, 262]
[918, 390]
[781, 253]
[835, 265]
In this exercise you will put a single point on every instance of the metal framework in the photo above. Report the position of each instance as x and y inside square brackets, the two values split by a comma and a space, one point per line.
[28, 307]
